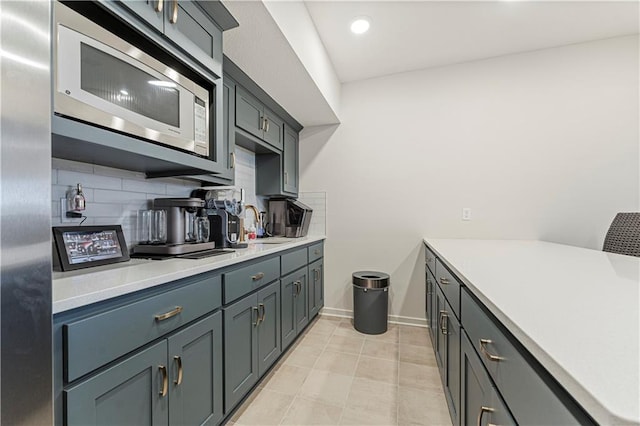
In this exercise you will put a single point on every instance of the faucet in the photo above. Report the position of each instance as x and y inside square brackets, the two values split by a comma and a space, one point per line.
[256, 213]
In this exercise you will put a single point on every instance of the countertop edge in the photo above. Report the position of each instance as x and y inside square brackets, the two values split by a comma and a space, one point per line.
[189, 268]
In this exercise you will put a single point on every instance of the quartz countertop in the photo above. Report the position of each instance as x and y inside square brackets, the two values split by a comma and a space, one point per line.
[576, 310]
[74, 289]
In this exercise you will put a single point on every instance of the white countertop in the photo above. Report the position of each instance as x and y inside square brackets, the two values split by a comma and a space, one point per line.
[83, 287]
[576, 310]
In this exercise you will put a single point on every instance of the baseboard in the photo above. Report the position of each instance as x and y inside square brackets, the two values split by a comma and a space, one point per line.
[394, 319]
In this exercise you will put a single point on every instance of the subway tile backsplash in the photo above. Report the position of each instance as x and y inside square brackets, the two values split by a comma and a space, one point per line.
[114, 196]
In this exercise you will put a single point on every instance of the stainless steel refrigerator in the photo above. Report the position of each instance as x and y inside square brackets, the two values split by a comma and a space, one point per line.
[25, 213]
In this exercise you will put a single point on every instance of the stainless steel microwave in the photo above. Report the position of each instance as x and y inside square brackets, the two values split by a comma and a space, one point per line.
[103, 80]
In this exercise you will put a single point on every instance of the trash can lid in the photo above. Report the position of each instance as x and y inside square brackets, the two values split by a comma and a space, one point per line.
[371, 279]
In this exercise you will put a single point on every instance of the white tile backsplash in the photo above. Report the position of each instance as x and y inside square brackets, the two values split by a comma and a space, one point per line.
[318, 203]
[113, 196]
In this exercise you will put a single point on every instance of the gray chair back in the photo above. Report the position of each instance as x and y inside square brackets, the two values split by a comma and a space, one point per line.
[623, 236]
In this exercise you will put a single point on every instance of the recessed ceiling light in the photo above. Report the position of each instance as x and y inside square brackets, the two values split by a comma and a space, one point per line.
[360, 26]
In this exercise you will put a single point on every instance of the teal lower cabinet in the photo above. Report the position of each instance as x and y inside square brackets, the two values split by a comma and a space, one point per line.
[481, 403]
[316, 287]
[448, 353]
[293, 290]
[177, 380]
[251, 341]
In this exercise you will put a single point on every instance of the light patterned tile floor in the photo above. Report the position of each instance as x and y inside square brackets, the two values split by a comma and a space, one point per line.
[336, 376]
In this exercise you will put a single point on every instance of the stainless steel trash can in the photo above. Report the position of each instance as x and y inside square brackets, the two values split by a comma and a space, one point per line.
[370, 301]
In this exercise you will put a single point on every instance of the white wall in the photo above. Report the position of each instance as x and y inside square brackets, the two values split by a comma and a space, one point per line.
[540, 145]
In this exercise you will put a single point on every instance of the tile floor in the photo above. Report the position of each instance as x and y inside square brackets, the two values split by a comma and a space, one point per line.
[336, 376]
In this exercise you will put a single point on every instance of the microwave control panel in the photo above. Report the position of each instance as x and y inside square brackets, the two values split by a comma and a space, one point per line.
[200, 114]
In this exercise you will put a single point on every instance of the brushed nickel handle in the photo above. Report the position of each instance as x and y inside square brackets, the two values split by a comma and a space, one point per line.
[264, 311]
[286, 175]
[253, 308]
[316, 252]
[299, 285]
[483, 410]
[262, 125]
[178, 360]
[258, 276]
[317, 271]
[266, 120]
[233, 160]
[174, 12]
[444, 328]
[444, 280]
[169, 314]
[159, 4]
[486, 353]
[429, 259]
[165, 380]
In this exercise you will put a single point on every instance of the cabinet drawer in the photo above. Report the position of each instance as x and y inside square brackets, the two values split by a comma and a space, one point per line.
[316, 251]
[430, 259]
[294, 260]
[244, 280]
[450, 286]
[94, 341]
[530, 399]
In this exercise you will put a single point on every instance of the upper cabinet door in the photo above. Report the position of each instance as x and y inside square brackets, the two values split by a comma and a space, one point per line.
[228, 131]
[249, 113]
[195, 373]
[290, 162]
[150, 11]
[194, 31]
[273, 129]
[132, 392]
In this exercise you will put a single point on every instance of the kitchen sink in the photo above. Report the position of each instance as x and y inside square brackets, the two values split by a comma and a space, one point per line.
[271, 240]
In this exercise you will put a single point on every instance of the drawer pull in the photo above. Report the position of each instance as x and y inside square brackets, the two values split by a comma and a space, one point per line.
[169, 314]
[178, 360]
[483, 410]
[298, 285]
[444, 280]
[158, 7]
[316, 252]
[264, 311]
[258, 276]
[165, 380]
[429, 259]
[486, 353]
[255, 324]
[444, 328]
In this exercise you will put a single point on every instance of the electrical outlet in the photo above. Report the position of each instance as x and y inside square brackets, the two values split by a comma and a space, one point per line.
[466, 213]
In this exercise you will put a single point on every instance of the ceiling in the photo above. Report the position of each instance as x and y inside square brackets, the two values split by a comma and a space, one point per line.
[412, 35]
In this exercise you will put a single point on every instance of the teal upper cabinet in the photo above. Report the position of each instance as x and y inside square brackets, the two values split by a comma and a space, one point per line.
[187, 24]
[277, 174]
[254, 118]
[290, 161]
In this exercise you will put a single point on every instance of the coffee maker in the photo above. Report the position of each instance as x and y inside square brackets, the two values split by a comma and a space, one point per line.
[180, 213]
[226, 226]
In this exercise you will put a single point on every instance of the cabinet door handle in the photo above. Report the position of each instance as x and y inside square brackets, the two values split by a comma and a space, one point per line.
[316, 252]
[262, 126]
[178, 360]
[174, 12]
[298, 286]
[429, 259]
[257, 323]
[444, 328]
[169, 314]
[286, 180]
[159, 5]
[264, 311]
[258, 276]
[483, 410]
[486, 353]
[266, 124]
[444, 280]
[165, 380]
[233, 160]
